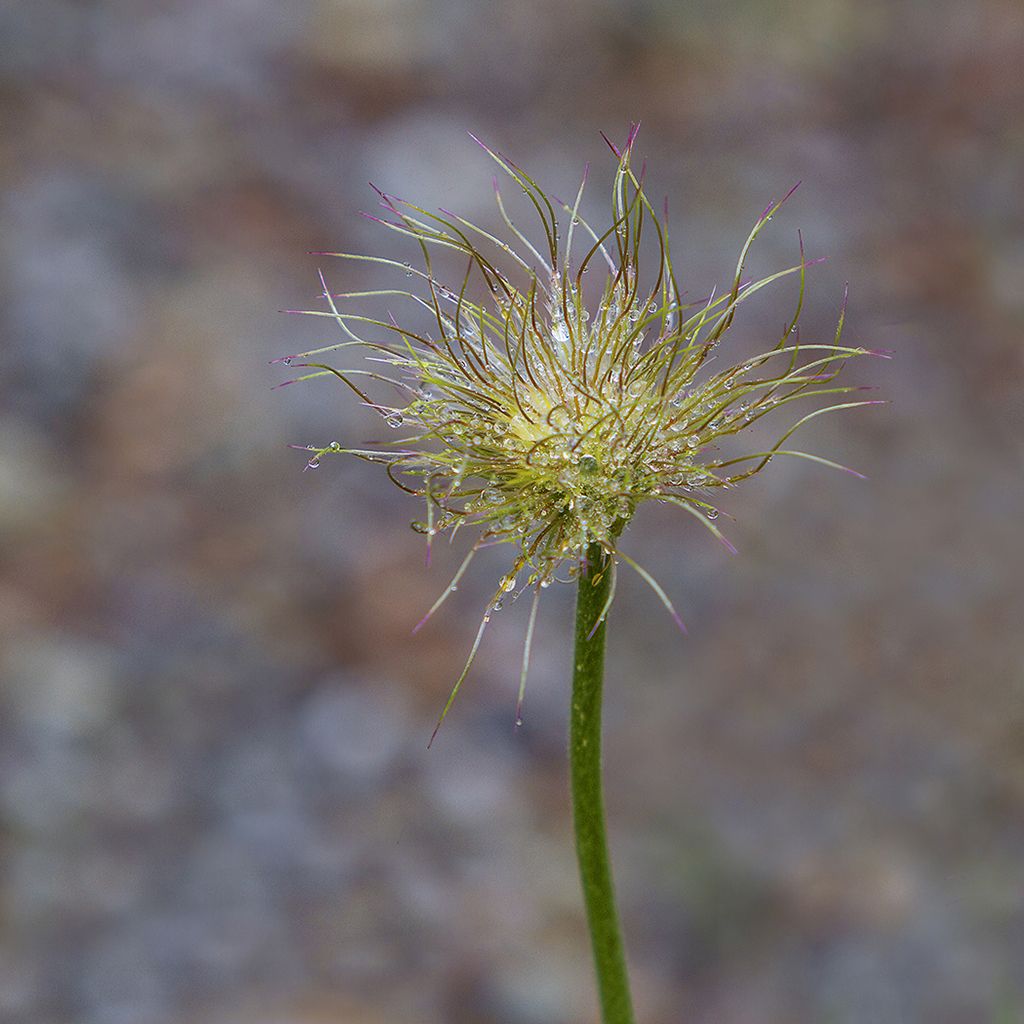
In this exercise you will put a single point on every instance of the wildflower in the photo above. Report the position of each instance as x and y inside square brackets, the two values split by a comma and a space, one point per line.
[544, 408]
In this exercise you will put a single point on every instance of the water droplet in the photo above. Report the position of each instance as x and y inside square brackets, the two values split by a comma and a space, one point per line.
[588, 464]
[287, 361]
[519, 722]
[314, 463]
[335, 446]
[408, 269]
[692, 441]
[559, 417]
[711, 513]
[394, 420]
[497, 606]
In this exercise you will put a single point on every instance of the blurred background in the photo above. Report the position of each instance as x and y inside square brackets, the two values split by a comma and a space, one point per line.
[216, 805]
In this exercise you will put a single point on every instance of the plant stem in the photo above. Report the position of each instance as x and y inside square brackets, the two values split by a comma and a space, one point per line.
[587, 794]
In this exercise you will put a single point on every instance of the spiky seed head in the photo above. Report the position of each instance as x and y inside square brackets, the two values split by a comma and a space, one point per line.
[544, 408]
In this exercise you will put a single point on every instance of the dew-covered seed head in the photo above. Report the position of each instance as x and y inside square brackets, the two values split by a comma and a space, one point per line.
[543, 410]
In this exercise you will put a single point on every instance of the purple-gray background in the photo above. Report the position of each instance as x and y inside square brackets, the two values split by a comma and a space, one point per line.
[216, 803]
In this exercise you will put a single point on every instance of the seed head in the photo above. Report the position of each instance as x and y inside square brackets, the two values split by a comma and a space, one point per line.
[543, 406]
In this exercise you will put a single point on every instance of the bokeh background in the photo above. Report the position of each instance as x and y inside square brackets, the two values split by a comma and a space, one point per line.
[217, 805]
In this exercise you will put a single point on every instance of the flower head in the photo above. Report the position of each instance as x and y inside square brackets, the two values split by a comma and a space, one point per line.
[556, 388]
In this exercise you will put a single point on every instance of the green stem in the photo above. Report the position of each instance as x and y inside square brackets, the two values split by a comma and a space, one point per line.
[587, 796]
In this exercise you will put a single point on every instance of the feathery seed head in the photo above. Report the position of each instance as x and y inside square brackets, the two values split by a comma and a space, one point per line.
[544, 419]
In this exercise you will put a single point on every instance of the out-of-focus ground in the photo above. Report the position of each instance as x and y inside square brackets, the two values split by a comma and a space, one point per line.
[217, 806]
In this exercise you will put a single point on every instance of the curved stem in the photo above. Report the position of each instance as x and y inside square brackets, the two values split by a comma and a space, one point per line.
[587, 795]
